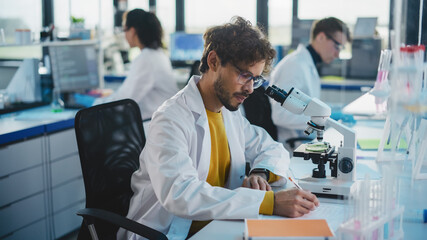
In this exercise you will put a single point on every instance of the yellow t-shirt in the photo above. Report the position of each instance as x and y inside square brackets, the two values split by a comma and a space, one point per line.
[220, 166]
[220, 153]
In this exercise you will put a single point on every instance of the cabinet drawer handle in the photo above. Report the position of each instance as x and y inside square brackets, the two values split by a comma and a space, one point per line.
[5, 176]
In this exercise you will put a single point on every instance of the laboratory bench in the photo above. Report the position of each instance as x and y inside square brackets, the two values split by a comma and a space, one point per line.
[41, 183]
[411, 194]
[344, 91]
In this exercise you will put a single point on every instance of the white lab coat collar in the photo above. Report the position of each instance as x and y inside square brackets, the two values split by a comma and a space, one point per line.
[235, 145]
[309, 59]
[195, 103]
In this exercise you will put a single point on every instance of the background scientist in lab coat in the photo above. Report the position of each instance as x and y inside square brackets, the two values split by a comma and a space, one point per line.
[300, 69]
[193, 164]
[150, 80]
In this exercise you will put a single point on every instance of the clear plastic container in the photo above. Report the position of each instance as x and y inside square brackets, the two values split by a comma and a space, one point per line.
[57, 104]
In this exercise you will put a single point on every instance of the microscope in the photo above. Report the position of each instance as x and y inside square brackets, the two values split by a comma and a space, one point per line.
[342, 159]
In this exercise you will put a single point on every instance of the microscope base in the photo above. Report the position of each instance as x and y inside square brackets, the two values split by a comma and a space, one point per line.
[331, 188]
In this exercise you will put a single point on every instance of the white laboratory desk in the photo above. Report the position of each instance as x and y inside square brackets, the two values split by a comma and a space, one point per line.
[342, 92]
[41, 183]
[411, 197]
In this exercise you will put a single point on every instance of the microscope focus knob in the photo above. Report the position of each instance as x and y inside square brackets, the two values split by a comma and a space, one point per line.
[345, 165]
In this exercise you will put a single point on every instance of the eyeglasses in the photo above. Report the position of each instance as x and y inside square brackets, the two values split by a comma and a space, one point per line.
[338, 46]
[245, 77]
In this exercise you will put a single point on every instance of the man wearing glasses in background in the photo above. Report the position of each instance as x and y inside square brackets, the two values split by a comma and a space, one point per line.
[300, 69]
[193, 164]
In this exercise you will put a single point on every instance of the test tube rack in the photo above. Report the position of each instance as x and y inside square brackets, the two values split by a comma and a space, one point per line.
[376, 215]
[377, 230]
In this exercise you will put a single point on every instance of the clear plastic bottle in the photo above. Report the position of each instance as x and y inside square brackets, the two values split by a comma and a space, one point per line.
[57, 104]
[381, 89]
[2, 99]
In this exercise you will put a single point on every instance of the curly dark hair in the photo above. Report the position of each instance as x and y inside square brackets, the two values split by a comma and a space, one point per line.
[330, 25]
[237, 42]
[147, 26]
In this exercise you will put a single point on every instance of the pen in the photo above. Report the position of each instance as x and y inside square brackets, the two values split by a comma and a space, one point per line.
[295, 183]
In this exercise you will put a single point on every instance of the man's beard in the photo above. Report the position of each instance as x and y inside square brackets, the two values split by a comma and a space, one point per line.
[224, 96]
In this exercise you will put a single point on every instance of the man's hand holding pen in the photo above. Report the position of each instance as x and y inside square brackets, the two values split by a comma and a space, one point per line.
[294, 202]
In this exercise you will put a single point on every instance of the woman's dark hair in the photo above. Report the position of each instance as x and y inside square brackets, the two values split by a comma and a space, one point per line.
[147, 26]
[237, 42]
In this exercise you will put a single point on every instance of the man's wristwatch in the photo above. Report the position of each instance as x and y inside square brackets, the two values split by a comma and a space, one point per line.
[261, 170]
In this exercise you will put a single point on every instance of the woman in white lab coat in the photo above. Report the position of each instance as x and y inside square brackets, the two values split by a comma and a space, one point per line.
[300, 70]
[150, 80]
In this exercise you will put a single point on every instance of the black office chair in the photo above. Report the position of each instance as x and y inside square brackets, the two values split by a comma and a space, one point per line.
[258, 111]
[194, 69]
[110, 138]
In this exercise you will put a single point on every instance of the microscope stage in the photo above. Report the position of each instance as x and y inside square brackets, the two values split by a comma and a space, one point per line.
[305, 151]
[327, 187]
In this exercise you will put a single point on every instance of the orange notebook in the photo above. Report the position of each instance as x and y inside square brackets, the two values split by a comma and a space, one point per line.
[287, 228]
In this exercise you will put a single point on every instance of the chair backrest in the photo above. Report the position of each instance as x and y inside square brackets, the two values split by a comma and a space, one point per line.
[194, 69]
[110, 138]
[258, 111]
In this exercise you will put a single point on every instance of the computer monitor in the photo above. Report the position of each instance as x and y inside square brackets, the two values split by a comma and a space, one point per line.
[186, 46]
[365, 27]
[301, 29]
[7, 71]
[74, 67]
[20, 85]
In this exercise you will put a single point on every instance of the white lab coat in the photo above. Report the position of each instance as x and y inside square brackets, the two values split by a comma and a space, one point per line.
[295, 70]
[170, 188]
[150, 82]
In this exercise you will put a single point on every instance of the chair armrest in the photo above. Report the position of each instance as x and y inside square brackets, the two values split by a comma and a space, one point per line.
[122, 222]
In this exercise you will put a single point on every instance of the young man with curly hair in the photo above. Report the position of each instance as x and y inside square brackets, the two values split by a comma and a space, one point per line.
[193, 164]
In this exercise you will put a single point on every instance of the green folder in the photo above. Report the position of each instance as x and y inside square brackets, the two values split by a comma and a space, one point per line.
[373, 144]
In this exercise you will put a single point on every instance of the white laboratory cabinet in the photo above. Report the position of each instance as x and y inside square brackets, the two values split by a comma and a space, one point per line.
[41, 187]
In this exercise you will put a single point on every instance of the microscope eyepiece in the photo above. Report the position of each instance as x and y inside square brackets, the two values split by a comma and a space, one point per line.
[276, 93]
